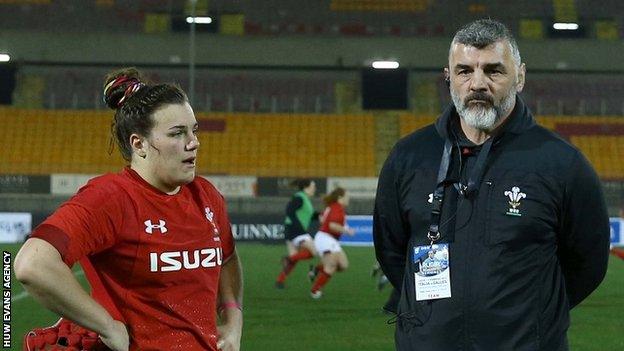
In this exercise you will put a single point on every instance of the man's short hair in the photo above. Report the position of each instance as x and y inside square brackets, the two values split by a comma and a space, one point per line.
[484, 32]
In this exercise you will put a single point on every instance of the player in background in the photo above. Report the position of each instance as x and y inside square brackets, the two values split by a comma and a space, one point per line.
[299, 214]
[390, 307]
[156, 236]
[619, 251]
[333, 224]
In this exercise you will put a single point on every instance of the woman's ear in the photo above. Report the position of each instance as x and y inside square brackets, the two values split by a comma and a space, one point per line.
[138, 145]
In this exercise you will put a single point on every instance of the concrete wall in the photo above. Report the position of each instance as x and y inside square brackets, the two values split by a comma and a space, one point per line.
[212, 49]
[45, 204]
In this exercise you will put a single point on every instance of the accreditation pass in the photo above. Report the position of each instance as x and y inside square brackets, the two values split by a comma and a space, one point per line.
[433, 274]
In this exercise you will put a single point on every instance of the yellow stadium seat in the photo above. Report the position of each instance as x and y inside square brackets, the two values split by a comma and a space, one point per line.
[77, 141]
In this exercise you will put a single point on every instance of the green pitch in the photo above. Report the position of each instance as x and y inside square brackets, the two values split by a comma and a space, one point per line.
[348, 316]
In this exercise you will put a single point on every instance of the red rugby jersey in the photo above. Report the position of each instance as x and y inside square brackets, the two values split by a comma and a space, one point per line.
[333, 213]
[157, 256]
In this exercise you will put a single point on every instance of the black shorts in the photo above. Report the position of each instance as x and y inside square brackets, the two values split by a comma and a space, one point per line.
[290, 234]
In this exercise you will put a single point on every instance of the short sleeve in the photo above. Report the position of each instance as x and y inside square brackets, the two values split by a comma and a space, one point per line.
[225, 228]
[336, 215]
[84, 225]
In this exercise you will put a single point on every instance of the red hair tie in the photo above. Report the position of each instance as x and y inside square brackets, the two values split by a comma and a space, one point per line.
[132, 88]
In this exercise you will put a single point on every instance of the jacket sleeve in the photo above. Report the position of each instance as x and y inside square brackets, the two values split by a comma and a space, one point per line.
[584, 244]
[291, 212]
[390, 233]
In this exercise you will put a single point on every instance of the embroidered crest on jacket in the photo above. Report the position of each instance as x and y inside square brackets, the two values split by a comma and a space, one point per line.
[515, 196]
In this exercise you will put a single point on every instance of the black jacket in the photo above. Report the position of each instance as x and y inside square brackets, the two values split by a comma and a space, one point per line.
[514, 278]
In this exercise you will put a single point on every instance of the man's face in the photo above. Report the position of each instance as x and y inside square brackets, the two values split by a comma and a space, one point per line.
[484, 83]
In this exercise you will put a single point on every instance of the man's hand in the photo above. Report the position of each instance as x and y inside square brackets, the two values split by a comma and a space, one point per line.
[116, 337]
[229, 338]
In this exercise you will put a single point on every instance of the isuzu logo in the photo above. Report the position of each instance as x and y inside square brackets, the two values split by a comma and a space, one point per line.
[172, 261]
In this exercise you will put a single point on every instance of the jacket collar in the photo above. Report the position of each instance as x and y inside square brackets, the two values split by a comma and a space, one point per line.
[518, 121]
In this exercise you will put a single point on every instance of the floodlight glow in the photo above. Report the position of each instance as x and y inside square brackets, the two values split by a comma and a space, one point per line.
[565, 26]
[199, 20]
[5, 58]
[385, 65]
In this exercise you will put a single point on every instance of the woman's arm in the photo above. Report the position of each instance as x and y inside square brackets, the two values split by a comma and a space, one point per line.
[230, 304]
[291, 212]
[337, 227]
[44, 275]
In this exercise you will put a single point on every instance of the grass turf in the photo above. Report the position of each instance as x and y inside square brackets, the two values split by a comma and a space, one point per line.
[348, 316]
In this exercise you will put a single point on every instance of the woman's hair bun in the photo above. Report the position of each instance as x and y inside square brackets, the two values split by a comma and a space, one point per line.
[120, 85]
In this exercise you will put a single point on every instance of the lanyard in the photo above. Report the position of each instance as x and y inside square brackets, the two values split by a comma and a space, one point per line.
[474, 181]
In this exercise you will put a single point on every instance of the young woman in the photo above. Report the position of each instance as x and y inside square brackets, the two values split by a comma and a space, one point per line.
[154, 239]
[299, 215]
[333, 224]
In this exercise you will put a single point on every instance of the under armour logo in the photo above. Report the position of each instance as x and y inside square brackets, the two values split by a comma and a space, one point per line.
[149, 226]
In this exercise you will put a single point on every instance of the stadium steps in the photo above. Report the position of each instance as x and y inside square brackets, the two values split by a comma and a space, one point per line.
[425, 97]
[387, 129]
[29, 91]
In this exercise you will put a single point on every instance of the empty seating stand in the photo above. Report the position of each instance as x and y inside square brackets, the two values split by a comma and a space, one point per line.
[312, 145]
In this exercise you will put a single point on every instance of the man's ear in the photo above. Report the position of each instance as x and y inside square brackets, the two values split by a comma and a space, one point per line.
[447, 76]
[138, 145]
[521, 77]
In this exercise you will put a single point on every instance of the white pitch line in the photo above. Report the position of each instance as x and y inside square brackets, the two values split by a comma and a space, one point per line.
[24, 294]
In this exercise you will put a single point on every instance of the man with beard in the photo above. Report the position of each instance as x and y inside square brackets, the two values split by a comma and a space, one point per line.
[519, 211]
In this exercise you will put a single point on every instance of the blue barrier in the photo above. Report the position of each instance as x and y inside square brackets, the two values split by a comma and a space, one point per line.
[363, 226]
[617, 237]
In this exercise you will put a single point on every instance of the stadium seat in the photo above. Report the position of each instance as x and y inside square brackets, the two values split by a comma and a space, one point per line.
[312, 145]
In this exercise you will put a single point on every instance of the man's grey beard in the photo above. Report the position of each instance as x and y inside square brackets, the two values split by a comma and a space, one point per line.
[484, 117]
